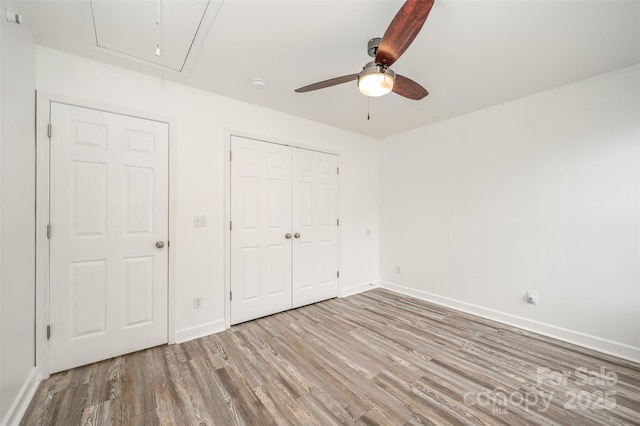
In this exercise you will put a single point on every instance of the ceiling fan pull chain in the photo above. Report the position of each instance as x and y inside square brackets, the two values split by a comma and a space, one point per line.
[158, 31]
[368, 108]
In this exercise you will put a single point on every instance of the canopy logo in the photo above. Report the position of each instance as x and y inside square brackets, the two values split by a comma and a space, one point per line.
[581, 389]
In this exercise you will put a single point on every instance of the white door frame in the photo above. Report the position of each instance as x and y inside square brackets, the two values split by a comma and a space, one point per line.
[227, 206]
[43, 111]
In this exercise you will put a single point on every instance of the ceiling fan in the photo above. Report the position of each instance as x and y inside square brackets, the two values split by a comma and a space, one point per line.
[376, 78]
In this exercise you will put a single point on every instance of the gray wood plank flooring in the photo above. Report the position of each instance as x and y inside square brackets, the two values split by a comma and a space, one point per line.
[373, 358]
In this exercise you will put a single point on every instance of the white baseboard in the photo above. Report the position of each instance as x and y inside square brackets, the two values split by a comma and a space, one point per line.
[22, 400]
[350, 291]
[610, 347]
[200, 331]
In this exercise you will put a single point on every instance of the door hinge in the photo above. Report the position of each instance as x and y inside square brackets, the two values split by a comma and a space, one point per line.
[337, 222]
[337, 170]
[230, 295]
[49, 130]
[48, 332]
[48, 232]
[230, 226]
[338, 274]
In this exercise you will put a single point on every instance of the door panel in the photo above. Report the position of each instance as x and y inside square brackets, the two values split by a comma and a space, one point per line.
[315, 214]
[89, 189]
[261, 216]
[108, 207]
[138, 202]
[139, 291]
[89, 298]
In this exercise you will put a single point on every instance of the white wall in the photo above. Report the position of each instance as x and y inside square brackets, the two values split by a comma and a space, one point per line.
[17, 197]
[541, 194]
[201, 120]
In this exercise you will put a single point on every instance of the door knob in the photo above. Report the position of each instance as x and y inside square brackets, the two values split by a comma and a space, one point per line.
[287, 236]
[296, 235]
[159, 244]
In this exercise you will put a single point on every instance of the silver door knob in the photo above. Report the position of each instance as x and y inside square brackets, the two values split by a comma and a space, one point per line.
[287, 236]
[296, 235]
[159, 244]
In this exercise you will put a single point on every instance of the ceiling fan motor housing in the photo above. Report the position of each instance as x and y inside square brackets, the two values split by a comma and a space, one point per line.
[373, 68]
[372, 46]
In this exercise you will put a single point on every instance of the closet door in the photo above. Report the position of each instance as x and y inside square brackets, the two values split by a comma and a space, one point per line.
[261, 222]
[315, 216]
[109, 217]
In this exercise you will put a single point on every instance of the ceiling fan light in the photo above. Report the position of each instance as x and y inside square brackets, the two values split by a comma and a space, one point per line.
[375, 80]
[375, 84]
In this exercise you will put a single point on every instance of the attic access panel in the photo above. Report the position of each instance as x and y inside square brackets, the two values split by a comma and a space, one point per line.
[128, 29]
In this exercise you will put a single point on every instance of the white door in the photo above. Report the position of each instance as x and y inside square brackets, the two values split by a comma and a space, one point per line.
[315, 216]
[261, 220]
[108, 209]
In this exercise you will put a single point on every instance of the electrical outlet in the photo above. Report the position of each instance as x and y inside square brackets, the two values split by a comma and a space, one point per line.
[397, 270]
[532, 297]
[197, 302]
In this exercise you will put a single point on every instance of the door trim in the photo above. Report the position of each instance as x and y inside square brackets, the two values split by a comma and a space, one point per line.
[228, 134]
[43, 113]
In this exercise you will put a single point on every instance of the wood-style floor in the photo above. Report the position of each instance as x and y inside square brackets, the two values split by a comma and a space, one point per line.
[373, 358]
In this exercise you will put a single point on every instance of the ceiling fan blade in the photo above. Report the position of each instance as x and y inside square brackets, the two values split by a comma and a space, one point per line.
[402, 30]
[328, 83]
[408, 88]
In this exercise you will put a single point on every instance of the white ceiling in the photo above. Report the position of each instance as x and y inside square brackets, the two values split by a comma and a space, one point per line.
[469, 54]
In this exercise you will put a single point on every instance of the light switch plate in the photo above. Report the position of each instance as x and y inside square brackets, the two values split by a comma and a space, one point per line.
[199, 221]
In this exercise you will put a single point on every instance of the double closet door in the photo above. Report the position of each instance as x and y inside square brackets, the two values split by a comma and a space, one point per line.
[284, 228]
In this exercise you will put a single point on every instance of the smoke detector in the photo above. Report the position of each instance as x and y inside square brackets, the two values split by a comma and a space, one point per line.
[259, 83]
